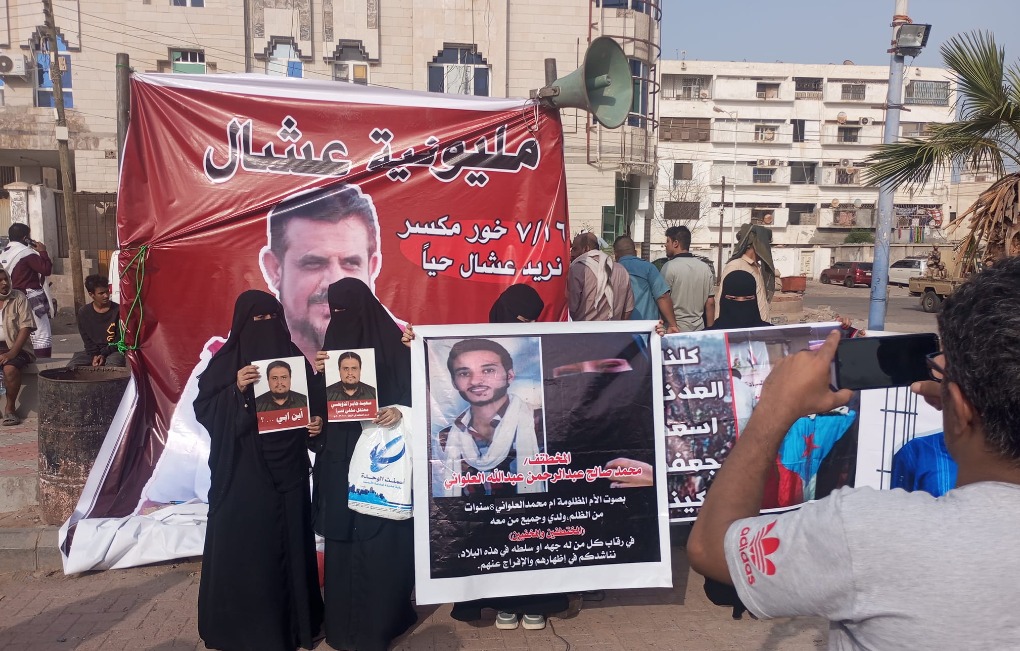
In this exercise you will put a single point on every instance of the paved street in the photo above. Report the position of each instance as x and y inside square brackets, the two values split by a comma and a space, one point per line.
[154, 608]
[903, 313]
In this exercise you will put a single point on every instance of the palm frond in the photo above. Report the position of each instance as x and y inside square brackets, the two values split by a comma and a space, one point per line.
[993, 222]
[977, 65]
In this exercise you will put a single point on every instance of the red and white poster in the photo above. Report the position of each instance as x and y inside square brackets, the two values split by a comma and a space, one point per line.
[281, 394]
[235, 182]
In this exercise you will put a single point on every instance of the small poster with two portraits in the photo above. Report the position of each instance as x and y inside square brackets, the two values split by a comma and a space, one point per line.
[351, 388]
[281, 394]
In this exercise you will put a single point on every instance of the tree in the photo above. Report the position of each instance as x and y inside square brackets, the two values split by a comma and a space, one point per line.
[679, 202]
[987, 134]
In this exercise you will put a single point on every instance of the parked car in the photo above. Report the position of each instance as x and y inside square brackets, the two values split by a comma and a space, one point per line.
[848, 273]
[901, 271]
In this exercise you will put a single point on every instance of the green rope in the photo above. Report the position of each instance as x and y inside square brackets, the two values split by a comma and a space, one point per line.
[139, 263]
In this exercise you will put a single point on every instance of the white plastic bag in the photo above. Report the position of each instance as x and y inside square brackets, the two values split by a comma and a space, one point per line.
[379, 481]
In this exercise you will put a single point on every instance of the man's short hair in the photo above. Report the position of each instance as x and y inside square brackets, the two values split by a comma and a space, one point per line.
[680, 234]
[473, 345]
[18, 231]
[278, 364]
[980, 328]
[624, 245]
[329, 204]
[348, 355]
[95, 281]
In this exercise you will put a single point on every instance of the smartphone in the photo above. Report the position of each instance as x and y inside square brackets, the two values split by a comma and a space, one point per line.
[881, 362]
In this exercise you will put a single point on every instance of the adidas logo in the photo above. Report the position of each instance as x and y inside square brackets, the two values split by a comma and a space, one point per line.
[755, 551]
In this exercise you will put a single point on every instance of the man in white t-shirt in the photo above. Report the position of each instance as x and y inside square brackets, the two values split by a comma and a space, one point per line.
[889, 569]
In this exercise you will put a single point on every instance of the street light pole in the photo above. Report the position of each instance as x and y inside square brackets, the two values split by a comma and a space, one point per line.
[735, 116]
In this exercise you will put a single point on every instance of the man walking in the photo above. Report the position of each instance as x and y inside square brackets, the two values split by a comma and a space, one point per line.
[597, 289]
[651, 293]
[690, 282]
[28, 264]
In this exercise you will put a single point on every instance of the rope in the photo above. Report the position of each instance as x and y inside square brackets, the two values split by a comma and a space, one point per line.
[139, 263]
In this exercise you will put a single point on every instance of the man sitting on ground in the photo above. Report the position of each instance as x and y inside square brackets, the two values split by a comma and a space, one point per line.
[889, 569]
[15, 348]
[98, 327]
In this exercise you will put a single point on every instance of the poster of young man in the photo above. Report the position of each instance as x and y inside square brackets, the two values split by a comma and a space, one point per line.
[351, 385]
[535, 447]
[712, 382]
[281, 394]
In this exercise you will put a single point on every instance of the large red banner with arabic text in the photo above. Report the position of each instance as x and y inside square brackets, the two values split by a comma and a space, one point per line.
[234, 182]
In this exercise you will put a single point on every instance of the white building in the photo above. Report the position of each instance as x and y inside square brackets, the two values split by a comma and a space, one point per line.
[455, 46]
[790, 141]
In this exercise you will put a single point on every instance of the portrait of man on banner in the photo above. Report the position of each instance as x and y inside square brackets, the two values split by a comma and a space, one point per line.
[490, 424]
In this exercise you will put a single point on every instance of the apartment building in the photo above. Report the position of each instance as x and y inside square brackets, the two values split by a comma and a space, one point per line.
[790, 141]
[473, 47]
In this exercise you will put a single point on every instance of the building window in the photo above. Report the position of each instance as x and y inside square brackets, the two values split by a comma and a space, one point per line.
[356, 73]
[187, 62]
[801, 214]
[763, 174]
[187, 3]
[459, 70]
[764, 133]
[807, 87]
[763, 216]
[680, 211]
[798, 130]
[803, 173]
[915, 130]
[685, 87]
[767, 91]
[637, 5]
[284, 62]
[846, 176]
[683, 171]
[685, 129]
[852, 93]
[931, 93]
[848, 134]
[44, 81]
[639, 72]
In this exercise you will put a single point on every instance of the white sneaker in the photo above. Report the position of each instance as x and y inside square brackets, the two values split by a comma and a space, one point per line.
[507, 621]
[533, 622]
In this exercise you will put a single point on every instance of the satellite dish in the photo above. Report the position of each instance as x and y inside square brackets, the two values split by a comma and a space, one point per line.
[834, 203]
[858, 203]
[841, 117]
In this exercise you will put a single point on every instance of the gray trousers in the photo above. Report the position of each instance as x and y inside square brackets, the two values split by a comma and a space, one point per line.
[82, 358]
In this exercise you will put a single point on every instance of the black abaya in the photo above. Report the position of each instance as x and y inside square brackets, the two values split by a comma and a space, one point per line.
[259, 587]
[369, 564]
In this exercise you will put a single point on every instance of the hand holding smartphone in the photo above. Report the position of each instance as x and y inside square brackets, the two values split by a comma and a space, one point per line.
[882, 362]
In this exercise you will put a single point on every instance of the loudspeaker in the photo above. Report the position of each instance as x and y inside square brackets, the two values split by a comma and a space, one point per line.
[603, 85]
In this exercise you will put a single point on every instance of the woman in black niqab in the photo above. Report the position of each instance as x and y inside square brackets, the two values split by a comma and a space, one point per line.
[259, 587]
[738, 307]
[369, 563]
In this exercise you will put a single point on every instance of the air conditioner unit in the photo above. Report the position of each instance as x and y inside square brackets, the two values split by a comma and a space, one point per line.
[773, 162]
[845, 162]
[760, 94]
[763, 162]
[13, 65]
[703, 94]
[667, 134]
[865, 121]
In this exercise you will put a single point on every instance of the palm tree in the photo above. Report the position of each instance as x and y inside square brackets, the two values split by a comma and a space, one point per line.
[987, 133]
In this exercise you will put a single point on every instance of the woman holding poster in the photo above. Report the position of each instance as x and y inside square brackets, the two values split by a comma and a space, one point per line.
[259, 587]
[369, 561]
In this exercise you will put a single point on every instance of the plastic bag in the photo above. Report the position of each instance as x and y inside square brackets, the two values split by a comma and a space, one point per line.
[379, 481]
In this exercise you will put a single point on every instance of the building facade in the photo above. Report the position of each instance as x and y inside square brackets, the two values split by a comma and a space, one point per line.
[790, 141]
[474, 47]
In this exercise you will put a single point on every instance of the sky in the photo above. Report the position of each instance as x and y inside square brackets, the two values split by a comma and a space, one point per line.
[824, 31]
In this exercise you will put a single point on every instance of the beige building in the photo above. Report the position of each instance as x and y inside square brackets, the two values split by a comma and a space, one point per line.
[791, 142]
[475, 47]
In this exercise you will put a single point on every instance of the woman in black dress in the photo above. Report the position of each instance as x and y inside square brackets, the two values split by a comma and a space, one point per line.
[369, 561]
[259, 587]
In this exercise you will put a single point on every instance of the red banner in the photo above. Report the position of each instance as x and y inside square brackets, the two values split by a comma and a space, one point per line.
[233, 182]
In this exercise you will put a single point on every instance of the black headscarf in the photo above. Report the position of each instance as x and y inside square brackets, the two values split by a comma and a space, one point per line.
[358, 320]
[738, 314]
[515, 303]
[758, 238]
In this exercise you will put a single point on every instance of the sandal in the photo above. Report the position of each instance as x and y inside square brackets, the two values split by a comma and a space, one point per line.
[10, 420]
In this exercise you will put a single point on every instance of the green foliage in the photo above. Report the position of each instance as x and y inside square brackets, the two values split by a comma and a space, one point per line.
[860, 236]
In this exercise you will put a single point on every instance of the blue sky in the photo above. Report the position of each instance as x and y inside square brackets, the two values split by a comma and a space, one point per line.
[823, 31]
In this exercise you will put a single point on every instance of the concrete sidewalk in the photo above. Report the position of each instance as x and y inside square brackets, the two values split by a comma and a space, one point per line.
[155, 608]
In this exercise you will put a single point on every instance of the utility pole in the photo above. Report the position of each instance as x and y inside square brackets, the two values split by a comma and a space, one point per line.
[722, 211]
[123, 101]
[73, 247]
[887, 191]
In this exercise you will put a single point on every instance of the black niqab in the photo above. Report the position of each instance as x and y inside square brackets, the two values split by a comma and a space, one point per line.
[517, 302]
[735, 314]
[359, 320]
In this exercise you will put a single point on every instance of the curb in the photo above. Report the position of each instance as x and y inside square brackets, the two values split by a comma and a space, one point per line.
[29, 550]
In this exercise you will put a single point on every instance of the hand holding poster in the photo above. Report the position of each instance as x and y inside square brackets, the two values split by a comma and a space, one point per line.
[351, 385]
[538, 460]
[281, 394]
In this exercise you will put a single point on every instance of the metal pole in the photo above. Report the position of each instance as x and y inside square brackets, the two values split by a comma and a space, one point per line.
[733, 215]
[73, 248]
[123, 100]
[887, 191]
[722, 211]
[550, 71]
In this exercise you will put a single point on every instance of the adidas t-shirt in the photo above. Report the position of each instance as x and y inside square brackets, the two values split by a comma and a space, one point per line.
[889, 569]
